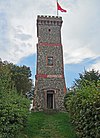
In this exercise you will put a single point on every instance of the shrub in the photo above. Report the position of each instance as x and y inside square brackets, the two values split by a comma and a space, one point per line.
[67, 100]
[13, 107]
[84, 108]
[13, 115]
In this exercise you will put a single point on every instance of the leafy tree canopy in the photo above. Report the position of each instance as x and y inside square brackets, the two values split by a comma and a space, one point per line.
[20, 76]
[13, 107]
[87, 77]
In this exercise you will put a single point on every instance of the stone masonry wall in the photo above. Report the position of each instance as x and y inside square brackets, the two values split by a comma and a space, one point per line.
[49, 77]
[56, 53]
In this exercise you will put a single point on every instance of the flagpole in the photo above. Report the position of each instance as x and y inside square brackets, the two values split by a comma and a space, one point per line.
[57, 6]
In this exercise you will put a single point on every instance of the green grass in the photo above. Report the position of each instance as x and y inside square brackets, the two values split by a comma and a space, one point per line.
[42, 125]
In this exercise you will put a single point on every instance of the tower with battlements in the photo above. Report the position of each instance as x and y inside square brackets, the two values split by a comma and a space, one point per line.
[50, 87]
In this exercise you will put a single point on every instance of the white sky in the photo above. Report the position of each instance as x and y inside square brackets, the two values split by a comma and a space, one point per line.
[80, 30]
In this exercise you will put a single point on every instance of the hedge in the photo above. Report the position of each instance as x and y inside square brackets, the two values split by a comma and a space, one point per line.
[13, 115]
[13, 107]
[84, 109]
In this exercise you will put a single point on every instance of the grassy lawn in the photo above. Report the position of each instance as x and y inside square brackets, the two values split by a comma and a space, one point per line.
[42, 125]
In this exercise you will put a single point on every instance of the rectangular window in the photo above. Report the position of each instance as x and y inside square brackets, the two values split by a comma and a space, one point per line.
[50, 61]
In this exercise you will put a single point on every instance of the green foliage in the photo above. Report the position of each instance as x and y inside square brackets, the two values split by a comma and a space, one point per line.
[67, 100]
[13, 107]
[13, 115]
[20, 76]
[30, 94]
[5, 78]
[87, 77]
[84, 108]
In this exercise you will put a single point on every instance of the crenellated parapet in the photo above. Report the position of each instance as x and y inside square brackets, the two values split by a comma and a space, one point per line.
[50, 87]
[49, 20]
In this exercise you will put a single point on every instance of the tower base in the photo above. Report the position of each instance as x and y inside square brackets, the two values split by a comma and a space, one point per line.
[49, 95]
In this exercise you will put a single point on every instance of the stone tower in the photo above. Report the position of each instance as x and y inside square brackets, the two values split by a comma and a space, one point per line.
[50, 87]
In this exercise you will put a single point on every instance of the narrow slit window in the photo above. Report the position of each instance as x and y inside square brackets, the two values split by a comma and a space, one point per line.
[50, 61]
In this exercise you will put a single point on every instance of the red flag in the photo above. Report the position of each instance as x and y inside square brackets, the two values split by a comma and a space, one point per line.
[59, 8]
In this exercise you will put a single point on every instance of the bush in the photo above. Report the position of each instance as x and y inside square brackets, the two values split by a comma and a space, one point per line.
[13, 115]
[67, 100]
[13, 107]
[84, 108]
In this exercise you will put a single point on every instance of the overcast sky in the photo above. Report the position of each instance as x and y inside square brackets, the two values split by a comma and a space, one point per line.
[80, 33]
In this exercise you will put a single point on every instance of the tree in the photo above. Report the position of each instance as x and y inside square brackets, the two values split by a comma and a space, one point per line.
[83, 105]
[20, 75]
[87, 77]
[5, 77]
[13, 107]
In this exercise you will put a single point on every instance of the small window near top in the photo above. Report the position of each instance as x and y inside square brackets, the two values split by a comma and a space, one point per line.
[50, 61]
